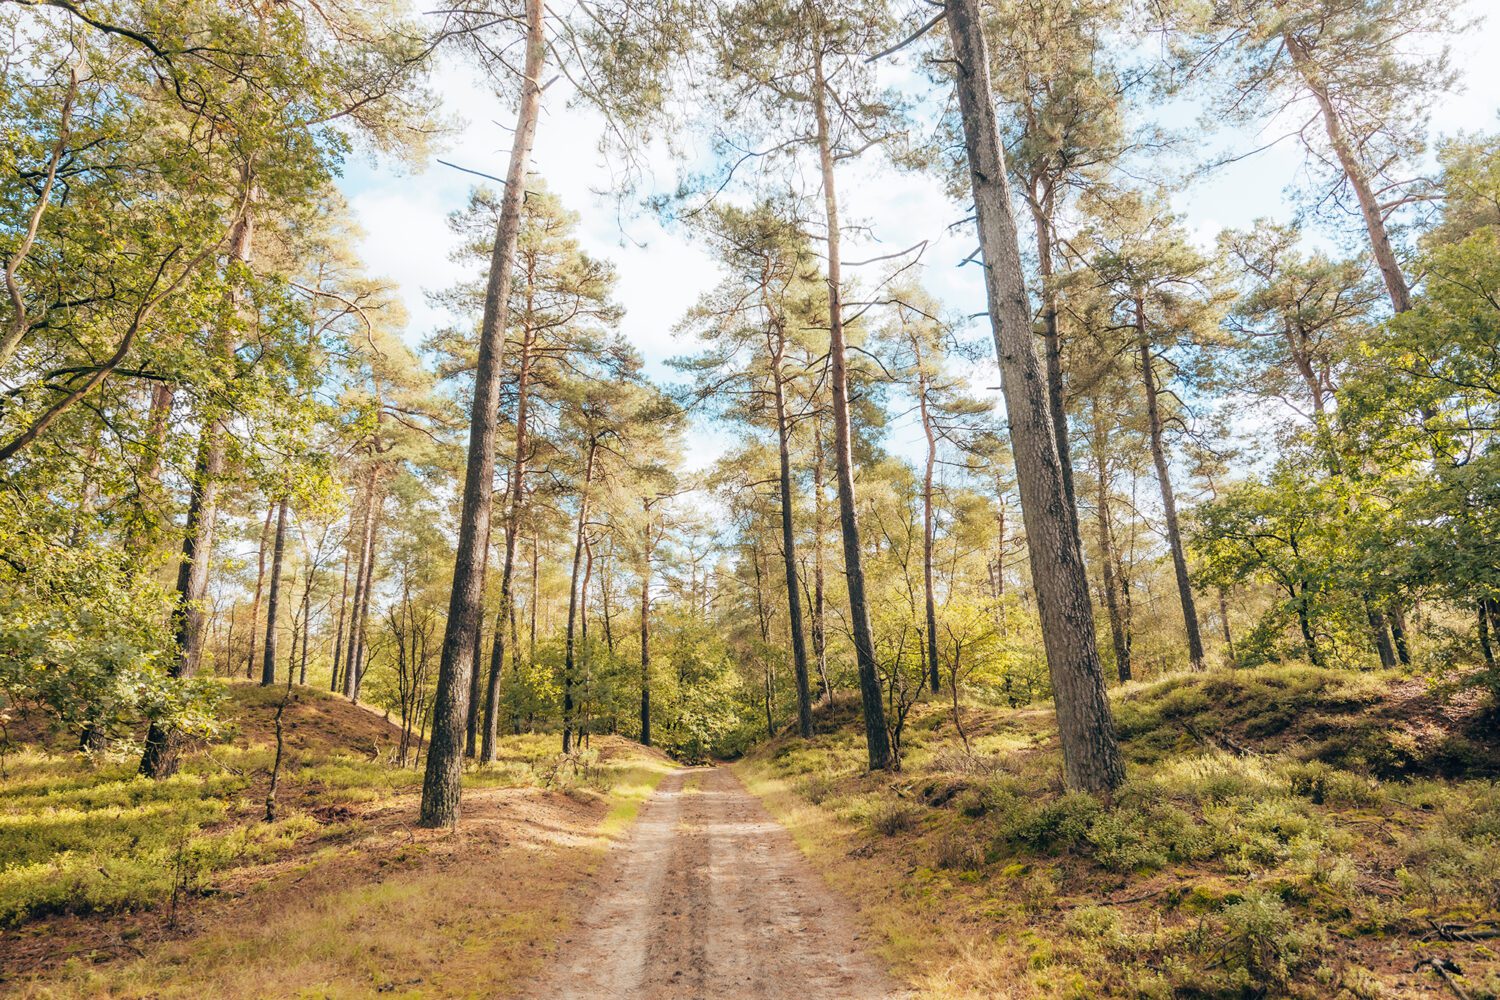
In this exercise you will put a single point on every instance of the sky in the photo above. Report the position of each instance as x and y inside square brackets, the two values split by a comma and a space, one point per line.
[661, 272]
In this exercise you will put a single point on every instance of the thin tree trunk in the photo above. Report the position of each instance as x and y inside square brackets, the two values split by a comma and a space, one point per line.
[1224, 622]
[1168, 498]
[568, 646]
[338, 635]
[1091, 752]
[273, 600]
[928, 595]
[1485, 648]
[162, 744]
[1106, 552]
[361, 588]
[789, 544]
[471, 733]
[877, 740]
[517, 484]
[260, 580]
[819, 619]
[360, 645]
[646, 640]
[1052, 341]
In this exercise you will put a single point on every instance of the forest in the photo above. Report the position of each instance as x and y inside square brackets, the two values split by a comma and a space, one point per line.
[1013, 567]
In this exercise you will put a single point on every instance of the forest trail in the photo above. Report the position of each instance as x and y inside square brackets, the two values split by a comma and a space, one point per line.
[709, 897]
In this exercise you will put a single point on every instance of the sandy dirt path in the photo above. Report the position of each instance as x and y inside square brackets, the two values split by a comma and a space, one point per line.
[709, 897]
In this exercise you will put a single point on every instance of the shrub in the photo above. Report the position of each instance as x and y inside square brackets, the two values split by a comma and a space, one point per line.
[894, 816]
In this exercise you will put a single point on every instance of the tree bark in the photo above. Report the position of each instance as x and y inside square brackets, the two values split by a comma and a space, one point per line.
[1106, 552]
[929, 598]
[568, 645]
[162, 744]
[646, 639]
[789, 541]
[273, 600]
[441, 781]
[819, 621]
[260, 581]
[1091, 752]
[1168, 497]
[1369, 204]
[1052, 340]
[877, 740]
[517, 484]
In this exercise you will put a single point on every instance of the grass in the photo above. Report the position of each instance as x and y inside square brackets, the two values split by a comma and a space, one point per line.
[112, 885]
[1264, 845]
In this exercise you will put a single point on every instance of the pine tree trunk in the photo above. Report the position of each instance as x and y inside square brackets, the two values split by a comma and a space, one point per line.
[441, 781]
[471, 726]
[1106, 551]
[646, 641]
[1091, 752]
[273, 600]
[1168, 497]
[1224, 622]
[819, 621]
[789, 545]
[929, 597]
[260, 582]
[877, 740]
[354, 654]
[569, 652]
[1485, 648]
[1369, 202]
[162, 744]
[1051, 339]
[361, 639]
[517, 484]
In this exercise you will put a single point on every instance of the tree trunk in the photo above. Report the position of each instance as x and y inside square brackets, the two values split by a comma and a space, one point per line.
[1369, 203]
[160, 757]
[273, 601]
[646, 640]
[819, 621]
[877, 740]
[517, 484]
[568, 649]
[471, 726]
[1106, 552]
[260, 581]
[1224, 622]
[1304, 622]
[1379, 637]
[1091, 752]
[789, 545]
[338, 634]
[1485, 648]
[934, 681]
[1168, 497]
[358, 620]
[440, 784]
[1052, 341]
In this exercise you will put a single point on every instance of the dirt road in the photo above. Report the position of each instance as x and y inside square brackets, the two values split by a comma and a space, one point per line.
[709, 897]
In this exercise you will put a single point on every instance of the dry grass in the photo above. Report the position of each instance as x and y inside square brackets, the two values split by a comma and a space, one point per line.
[1292, 869]
[359, 901]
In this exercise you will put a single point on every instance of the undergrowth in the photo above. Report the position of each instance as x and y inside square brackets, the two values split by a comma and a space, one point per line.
[1264, 845]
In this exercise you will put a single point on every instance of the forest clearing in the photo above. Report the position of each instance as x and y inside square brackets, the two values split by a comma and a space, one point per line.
[750, 498]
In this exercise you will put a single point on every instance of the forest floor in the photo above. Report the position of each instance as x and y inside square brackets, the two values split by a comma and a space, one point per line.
[1284, 832]
[114, 886]
[709, 897]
